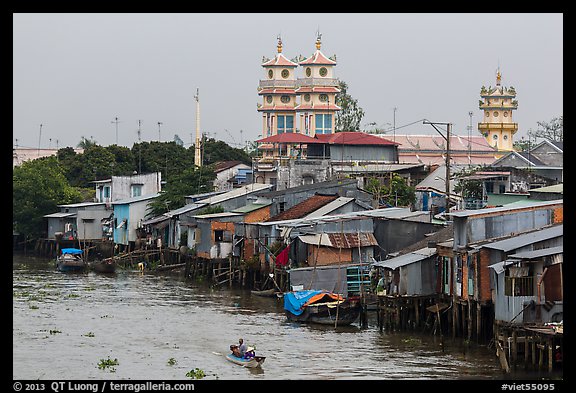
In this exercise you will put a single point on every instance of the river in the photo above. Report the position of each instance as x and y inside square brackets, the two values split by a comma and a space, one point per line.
[161, 326]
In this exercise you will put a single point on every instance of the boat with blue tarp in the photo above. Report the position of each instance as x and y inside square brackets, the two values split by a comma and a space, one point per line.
[70, 260]
[322, 307]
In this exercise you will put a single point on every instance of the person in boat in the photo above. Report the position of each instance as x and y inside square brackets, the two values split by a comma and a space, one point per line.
[235, 350]
[242, 346]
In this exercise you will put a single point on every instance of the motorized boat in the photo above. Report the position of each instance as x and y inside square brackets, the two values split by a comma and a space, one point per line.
[70, 260]
[255, 361]
[322, 307]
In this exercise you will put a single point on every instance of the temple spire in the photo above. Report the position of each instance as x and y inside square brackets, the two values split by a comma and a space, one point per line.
[279, 44]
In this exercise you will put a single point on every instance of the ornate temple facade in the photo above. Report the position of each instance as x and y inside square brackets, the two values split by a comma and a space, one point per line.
[497, 126]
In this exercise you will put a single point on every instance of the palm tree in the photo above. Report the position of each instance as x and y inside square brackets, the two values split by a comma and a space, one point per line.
[85, 143]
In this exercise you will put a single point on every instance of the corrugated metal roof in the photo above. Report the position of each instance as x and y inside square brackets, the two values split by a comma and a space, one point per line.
[251, 207]
[185, 209]
[330, 207]
[538, 253]
[511, 206]
[217, 215]
[406, 259]
[82, 204]
[340, 240]
[59, 215]
[389, 212]
[304, 208]
[236, 192]
[527, 238]
[557, 188]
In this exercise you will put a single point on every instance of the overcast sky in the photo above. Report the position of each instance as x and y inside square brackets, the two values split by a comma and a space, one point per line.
[75, 73]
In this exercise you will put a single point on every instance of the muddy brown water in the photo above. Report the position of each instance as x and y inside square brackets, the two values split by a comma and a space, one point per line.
[161, 326]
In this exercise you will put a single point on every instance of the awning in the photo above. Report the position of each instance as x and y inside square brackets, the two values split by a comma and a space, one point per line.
[406, 259]
[499, 267]
[340, 240]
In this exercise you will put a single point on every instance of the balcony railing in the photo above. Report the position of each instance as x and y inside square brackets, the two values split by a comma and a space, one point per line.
[277, 83]
[305, 82]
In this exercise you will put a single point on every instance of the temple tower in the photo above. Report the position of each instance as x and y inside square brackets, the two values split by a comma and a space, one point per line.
[497, 126]
[317, 91]
[278, 94]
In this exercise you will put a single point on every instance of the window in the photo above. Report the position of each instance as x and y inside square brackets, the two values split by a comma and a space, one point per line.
[106, 192]
[136, 190]
[323, 124]
[520, 286]
[518, 282]
[218, 235]
[285, 123]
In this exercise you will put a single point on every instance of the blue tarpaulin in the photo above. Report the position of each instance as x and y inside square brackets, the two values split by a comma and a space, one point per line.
[71, 251]
[293, 301]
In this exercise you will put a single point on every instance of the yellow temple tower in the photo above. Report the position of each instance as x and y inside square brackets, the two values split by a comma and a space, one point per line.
[497, 126]
[278, 95]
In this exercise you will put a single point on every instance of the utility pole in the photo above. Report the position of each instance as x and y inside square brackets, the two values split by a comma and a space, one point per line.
[469, 141]
[139, 147]
[159, 124]
[39, 139]
[394, 132]
[197, 151]
[447, 139]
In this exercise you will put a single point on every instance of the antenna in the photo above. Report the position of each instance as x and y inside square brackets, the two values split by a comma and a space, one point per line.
[116, 122]
[159, 124]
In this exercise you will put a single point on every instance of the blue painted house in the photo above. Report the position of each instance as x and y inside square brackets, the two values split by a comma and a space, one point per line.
[128, 216]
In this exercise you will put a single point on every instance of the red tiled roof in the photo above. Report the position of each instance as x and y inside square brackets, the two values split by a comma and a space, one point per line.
[281, 61]
[304, 208]
[318, 107]
[317, 89]
[223, 165]
[288, 137]
[318, 58]
[353, 138]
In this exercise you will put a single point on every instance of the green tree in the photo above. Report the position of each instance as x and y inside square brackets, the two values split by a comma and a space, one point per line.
[215, 151]
[38, 187]
[96, 163]
[169, 158]
[192, 180]
[124, 164]
[350, 116]
[391, 191]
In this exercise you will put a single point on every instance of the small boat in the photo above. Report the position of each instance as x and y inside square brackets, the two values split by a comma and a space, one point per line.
[267, 292]
[71, 260]
[256, 361]
[322, 307]
[107, 265]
